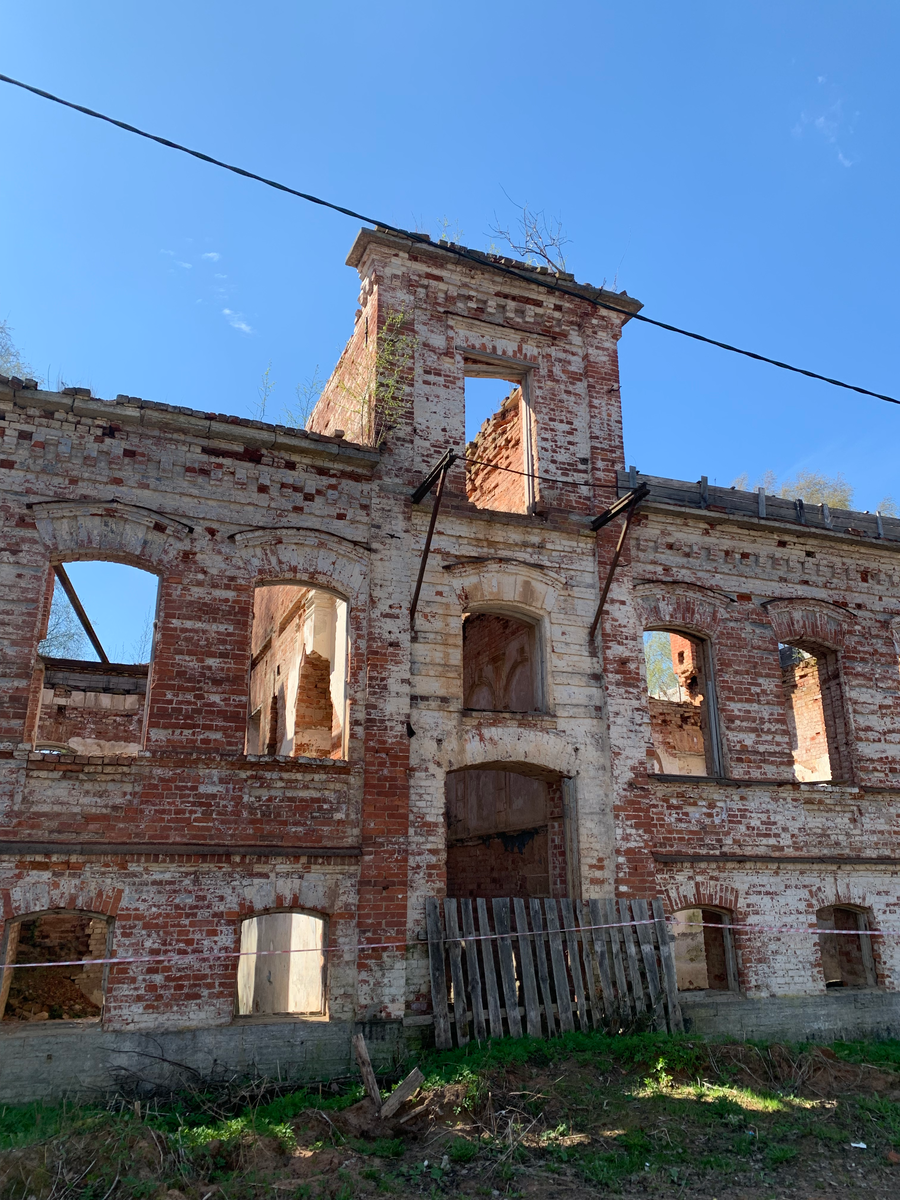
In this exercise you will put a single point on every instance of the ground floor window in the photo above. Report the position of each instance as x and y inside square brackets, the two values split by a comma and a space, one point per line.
[71, 993]
[847, 958]
[704, 950]
[282, 964]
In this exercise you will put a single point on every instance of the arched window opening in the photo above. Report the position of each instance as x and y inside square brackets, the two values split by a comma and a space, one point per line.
[282, 965]
[505, 834]
[298, 673]
[70, 993]
[501, 667]
[96, 656]
[681, 696]
[846, 947]
[815, 713]
[704, 951]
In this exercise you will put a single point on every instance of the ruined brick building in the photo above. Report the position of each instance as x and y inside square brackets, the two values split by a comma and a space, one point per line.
[300, 765]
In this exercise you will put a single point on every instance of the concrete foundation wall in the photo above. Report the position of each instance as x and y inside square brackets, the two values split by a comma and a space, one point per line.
[835, 1016]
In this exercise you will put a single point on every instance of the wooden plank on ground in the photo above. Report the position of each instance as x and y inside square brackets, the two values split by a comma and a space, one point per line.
[491, 991]
[634, 969]
[558, 959]
[601, 943]
[574, 949]
[442, 1038]
[365, 1069]
[610, 920]
[583, 920]
[648, 953]
[526, 962]
[460, 1000]
[507, 966]
[468, 924]
[540, 954]
[667, 955]
[402, 1092]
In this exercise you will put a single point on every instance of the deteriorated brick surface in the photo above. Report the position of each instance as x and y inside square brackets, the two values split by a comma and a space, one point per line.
[178, 843]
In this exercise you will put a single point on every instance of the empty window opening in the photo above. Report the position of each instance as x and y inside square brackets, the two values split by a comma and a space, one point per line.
[500, 664]
[498, 434]
[815, 713]
[298, 676]
[505, 835]
[290, 980]
[704, 951]
[683, 718]
[96, 655]
[38, 993]
[847, 958]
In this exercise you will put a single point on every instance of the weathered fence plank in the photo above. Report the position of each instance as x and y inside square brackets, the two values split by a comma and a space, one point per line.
[602, 956]
[442, 1038]
[460, 1001]
[490, 975]
[529, 983]
[540, 954]
[648, 953]
[507, 967]
[583, 919]
[568, 917]
[468, 924]
[634, 970]
[676, 1024]
[610, 918]
[560, 977]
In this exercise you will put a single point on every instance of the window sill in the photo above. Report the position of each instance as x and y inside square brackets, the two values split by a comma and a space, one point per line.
[727, 781]
[31, 1028]
[473, 716]
[280, 1018]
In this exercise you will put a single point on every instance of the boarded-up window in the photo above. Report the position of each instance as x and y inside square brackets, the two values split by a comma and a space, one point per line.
[65, 993]
[847, 958]
[505, 835]
[704, 951]
[683, 717]
[298, 673]
[500, 664]
[282, 964]
[815, 713]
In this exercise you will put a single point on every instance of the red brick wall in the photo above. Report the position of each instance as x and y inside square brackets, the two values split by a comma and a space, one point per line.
[499, 442]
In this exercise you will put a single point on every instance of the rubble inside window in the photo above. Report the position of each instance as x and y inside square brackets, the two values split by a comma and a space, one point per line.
[815, 713]
[683, 718]
[282, 965]
[704, 951]
[500, 664]
[504, 834]
[298, 673]
[70, 993]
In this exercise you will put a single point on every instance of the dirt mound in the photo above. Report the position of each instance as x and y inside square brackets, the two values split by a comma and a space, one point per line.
[816, 1073]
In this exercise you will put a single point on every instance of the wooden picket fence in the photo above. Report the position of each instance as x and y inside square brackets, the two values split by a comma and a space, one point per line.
[567, 965]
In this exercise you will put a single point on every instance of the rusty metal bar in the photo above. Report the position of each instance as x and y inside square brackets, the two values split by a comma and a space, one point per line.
[612, 567]
[439, 474]
[60, 573]
[633, 497]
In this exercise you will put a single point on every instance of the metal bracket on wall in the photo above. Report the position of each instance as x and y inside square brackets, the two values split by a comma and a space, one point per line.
[437, 475]
[626, 504]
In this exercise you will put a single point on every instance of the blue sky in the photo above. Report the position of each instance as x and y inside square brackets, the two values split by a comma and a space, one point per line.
[734, 166]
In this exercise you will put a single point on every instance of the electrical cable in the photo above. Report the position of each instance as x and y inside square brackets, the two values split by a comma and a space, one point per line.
[460, 251]
[480, 462]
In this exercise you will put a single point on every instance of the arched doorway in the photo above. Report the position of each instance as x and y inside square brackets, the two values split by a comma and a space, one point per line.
[505, 832]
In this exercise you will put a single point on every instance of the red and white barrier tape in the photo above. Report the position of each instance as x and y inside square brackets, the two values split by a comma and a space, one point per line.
[478, 937]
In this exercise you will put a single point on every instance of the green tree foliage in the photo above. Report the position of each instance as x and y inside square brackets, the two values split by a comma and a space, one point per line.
[812, 487]
[65, 636]
[11, 361]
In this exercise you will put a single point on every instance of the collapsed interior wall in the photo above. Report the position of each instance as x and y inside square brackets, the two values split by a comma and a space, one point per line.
[500, 667]
[811, 680]
[678, 697]
[847, 959]
[499, 442]
[298, 673]
[504, 835]
[92, 708]
[54, 993]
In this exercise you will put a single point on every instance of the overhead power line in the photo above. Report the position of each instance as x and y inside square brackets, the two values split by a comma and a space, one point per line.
[460, 251]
